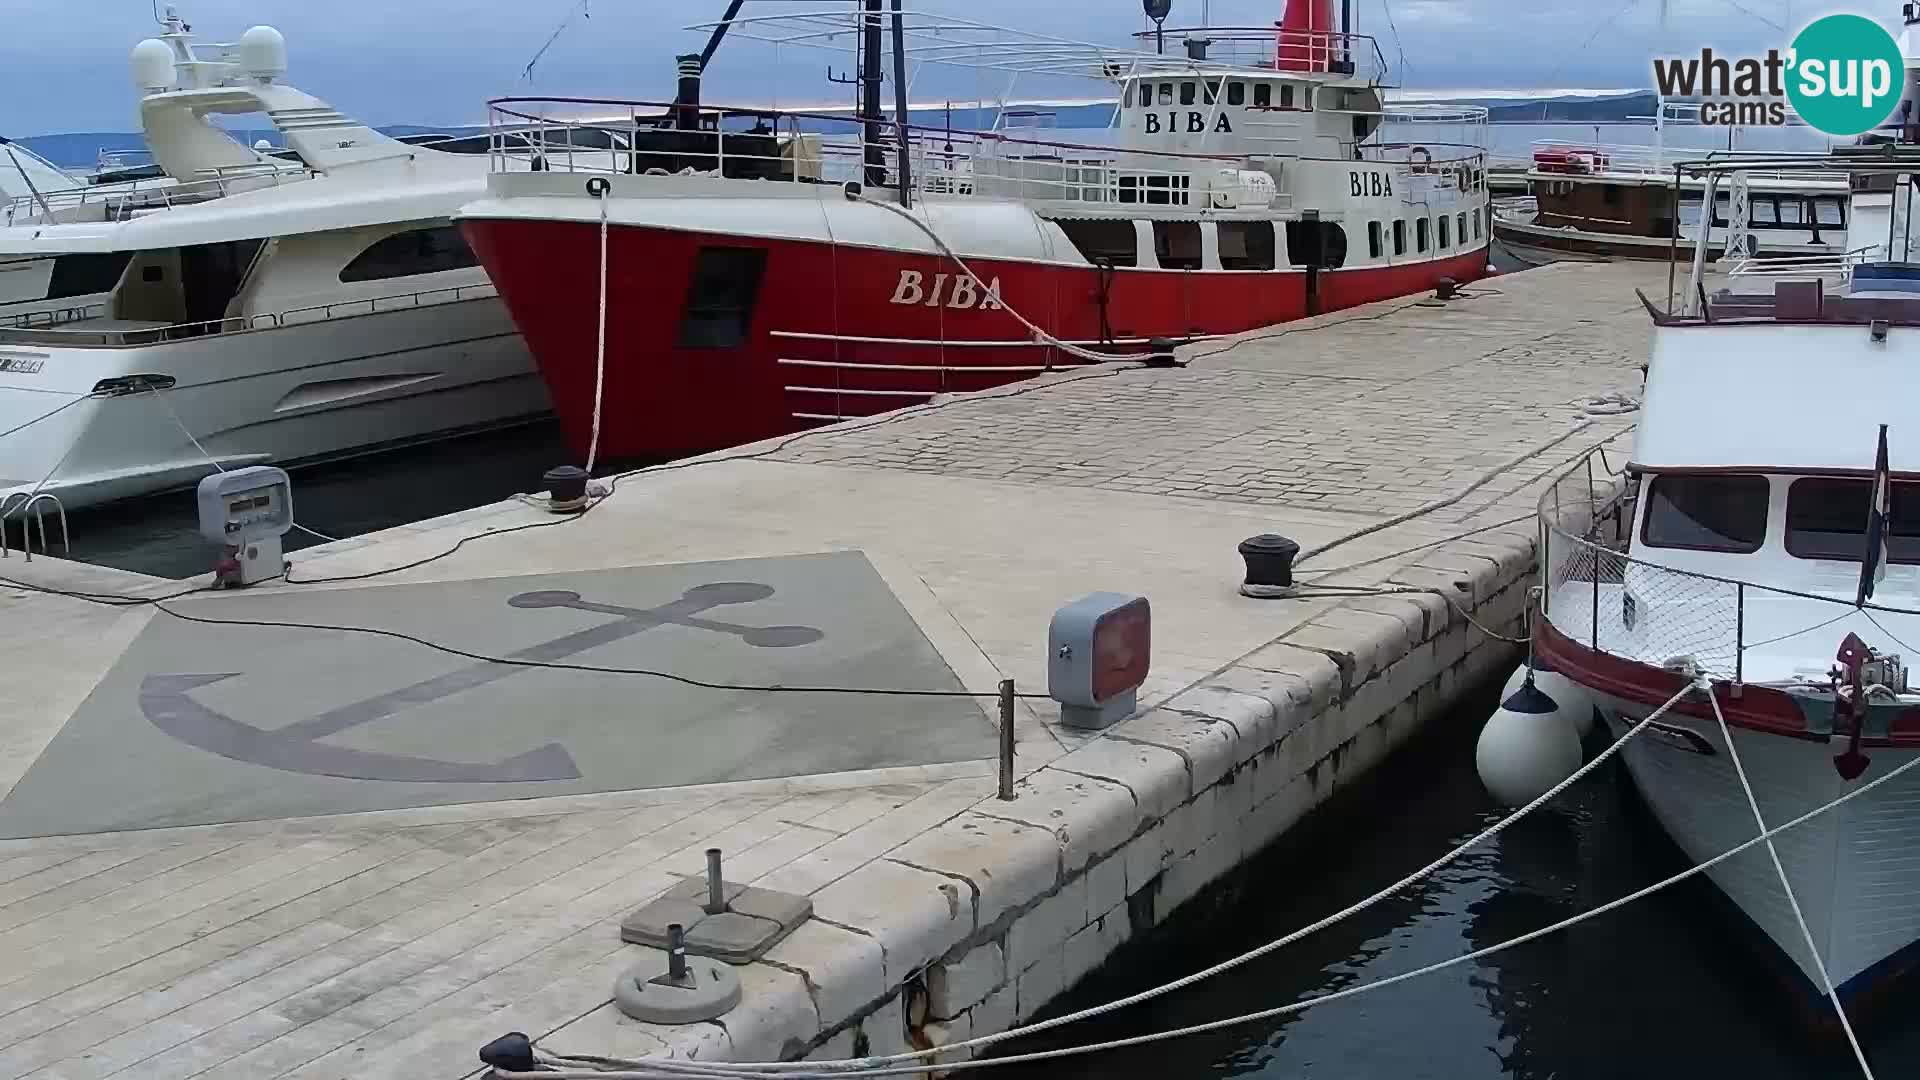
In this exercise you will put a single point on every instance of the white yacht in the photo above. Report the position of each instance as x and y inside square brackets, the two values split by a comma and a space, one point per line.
[246, 307]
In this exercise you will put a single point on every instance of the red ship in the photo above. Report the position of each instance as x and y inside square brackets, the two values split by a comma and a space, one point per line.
[691, 277]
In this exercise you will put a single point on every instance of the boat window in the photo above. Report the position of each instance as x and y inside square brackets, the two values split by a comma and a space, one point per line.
[1374, 246]
[1186, 93]
[1793, 210]
[416, 251]
[1146, 95]
[1827, 519]
[84, 275]
[1612, 195]
[1236, 93]
[1212, 91]
[1476, 224]
[1707, 512]
[720, 297]
[1444, 241]
[1420, 232]
[1262, 96]
[1158, 190]
[1286, 95]
[1109, 242]
[1400, 237]
[1166, 93]
[1316, 243]
[1828, 212]
[1246, 245]
[1177, 244]
[1460, 227]
[1762, 212]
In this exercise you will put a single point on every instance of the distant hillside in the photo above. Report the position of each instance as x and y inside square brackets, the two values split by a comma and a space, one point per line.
[80, 150]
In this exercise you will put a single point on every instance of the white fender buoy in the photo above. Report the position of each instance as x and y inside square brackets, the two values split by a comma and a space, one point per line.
[1526, 747]
[1575, 701]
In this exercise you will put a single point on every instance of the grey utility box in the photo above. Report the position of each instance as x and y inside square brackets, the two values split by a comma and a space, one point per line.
[1098, 649]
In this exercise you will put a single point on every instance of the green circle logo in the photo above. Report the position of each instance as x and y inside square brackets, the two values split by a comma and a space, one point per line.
[1844, 74]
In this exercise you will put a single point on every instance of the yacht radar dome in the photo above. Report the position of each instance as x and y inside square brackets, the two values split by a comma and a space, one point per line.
[262, 54]
[153, 66]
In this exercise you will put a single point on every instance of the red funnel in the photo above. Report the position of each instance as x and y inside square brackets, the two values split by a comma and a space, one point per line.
[1307, 39]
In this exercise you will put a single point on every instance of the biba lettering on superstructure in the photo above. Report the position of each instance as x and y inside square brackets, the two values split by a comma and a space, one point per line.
[771, 271]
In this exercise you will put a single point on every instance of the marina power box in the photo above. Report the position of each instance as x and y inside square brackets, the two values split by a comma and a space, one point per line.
[247, 511]
[1097, 653]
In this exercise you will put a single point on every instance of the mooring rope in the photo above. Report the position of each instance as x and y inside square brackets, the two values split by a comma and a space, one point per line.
[1793, 902]
[599, 192]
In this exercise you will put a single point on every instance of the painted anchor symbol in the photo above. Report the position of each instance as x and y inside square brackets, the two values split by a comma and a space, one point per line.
[168, 704]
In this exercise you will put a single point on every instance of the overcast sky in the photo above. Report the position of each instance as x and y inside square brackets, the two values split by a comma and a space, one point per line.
[63, 63]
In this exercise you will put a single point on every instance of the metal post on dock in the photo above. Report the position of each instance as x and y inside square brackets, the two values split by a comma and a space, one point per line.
[1739, 631]
[676, 952]
[716, 894]
[1006, 739]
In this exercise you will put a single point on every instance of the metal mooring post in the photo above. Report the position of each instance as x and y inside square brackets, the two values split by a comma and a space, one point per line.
[676, 952]
[716, 895]
[1006, 739]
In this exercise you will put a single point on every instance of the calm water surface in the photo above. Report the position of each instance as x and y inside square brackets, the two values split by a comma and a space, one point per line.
[1658, 989]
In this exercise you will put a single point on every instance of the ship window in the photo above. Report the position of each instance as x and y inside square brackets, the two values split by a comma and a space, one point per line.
[1793, 210]
[1246, 245]
[1762, 212]
[1445, 241]
[1166, 93]
[1109, 242]
[1476, 224]
[1211, 91]
[1612, 195]
[1708, 512]
[1236, 93]
[84, 275]
[1400, 237]
[1827, 519]
[1421, 230]
[1262, 96]
[1286, 95]
[1460, 227]
[1828, 212]
[1186, 93]
[720, 297]
[1146, 95]
[1177, 244]
[416, 251]
[1374, 246]
[1316, 243]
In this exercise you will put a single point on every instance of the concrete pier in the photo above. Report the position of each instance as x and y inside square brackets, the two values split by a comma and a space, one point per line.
[265, 850]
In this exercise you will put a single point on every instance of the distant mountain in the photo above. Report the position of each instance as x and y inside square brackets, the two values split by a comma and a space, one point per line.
[1576, 110]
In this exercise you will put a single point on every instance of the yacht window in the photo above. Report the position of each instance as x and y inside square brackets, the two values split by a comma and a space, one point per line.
[1708, 512]
[1177, 244]
[1827, 519]
[1400, 237]
[1146, 95]
[1793, 210]
[1374, 246]
[720, 297]
[1420, 232]
[1286, 95]
[1186, 93]
[1262, 96]
[1111, 242]
[211, 276]
[1246, 245]
[84, 275]
[1316, 243]
[1829, 212]
[1236, 93]
[416, 251]
[1166, 93]
[1445, 241]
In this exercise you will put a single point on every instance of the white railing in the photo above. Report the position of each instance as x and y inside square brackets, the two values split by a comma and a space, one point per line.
[1839, 263]
[119, 201]
[1269, 48]
[75, 332]
[1561, 157]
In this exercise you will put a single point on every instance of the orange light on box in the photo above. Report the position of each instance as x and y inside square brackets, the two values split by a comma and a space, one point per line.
[1098, 652]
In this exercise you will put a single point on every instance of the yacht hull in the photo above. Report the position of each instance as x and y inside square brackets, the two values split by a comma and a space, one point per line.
[283, 394]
